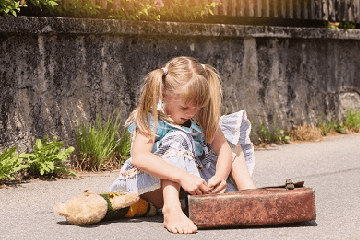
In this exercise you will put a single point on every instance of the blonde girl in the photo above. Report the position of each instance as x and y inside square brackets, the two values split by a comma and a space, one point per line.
[181, 141]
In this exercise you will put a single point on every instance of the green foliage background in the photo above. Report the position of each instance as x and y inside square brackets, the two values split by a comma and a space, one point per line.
[151, 10]
[102, 143]
[48, 157]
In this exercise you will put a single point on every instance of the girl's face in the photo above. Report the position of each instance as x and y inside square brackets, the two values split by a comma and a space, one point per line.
[179, 111]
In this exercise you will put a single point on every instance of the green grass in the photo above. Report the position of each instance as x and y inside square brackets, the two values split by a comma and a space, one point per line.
[265, 135]
[10, 164]
[350, 123]
[352, 120]
[102, 144]
[326, 124]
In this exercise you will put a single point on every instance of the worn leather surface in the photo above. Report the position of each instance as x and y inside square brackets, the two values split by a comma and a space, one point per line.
[267, 206]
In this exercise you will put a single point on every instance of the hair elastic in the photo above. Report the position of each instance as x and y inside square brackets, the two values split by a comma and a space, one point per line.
[203, 65]
[165, 70]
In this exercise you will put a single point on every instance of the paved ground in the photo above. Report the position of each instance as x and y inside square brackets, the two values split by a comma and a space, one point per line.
[331, 167]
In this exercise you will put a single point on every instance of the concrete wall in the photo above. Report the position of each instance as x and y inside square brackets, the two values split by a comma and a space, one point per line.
[55, 72]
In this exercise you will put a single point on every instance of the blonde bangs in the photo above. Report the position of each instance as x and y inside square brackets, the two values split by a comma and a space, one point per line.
[196, 91]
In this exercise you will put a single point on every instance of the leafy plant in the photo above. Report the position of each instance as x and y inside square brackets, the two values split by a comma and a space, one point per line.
[149, 10]
[13, 6]
[135, 10]
[187, 10]
[332, 25]
[352, 119]
[347, 25]
[99, 143]
[264, 135]
[340, 128]
[339, 25]
[78, 8]
[326, 124]
[48, 157]
[10, 163]
[281, 137]
[9, 6]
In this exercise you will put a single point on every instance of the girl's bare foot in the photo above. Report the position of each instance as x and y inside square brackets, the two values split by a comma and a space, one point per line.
[177, 222]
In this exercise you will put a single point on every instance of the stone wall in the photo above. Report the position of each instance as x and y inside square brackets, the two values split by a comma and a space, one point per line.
[55, 72]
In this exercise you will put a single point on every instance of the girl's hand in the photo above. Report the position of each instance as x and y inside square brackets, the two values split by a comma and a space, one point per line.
[193, 184]
[217, 185]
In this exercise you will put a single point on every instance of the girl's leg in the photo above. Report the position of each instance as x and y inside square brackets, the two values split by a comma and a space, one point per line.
[155, 197]
[167, 198]
[174, 218]
[240, 173]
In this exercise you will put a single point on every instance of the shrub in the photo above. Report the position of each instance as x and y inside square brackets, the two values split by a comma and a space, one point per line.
[306, 133]
[340, 128]
[100, 144]
[264, 135]
[77, 8]
[13, 6]
[150, 10]
[48, 157]
[10, 164]
[352, 119]
[326, 124]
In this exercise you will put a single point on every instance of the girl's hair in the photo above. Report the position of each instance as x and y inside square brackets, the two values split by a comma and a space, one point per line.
[196, 83]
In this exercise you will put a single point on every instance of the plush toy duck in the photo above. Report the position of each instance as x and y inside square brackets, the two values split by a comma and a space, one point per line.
[90, 207]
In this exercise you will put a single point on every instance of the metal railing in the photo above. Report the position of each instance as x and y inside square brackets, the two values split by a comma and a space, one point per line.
[325, 10]
[321, 10]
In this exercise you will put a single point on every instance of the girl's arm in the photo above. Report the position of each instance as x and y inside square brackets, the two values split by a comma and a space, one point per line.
[238, 168]
[224, 162]
[241, 176]
[148, 162]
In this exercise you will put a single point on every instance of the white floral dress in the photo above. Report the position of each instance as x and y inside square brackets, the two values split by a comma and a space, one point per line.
[186, 148]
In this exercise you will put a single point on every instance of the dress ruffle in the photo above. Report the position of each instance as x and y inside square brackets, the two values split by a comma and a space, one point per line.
[236, 128]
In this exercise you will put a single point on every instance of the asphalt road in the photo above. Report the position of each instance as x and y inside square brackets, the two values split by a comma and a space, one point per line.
[331, 167]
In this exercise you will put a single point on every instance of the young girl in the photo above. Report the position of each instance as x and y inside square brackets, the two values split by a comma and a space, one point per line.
[180, 141]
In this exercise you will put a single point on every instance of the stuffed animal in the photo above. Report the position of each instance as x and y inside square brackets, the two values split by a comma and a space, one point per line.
[90, 207]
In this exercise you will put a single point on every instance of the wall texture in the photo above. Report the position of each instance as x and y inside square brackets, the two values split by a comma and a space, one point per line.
[55, 72]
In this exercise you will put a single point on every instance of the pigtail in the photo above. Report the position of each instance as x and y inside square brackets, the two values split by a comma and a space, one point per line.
[149, 99]
[209, 115]
[194, 82]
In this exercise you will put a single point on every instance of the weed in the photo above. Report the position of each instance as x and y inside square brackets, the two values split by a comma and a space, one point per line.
[10, 164]
[12, 7]
[326, 124]
[264, 135]
[100, 145]
[306, 133]
[352, 120]
[339, 25]
[48, 157]
[340, 128]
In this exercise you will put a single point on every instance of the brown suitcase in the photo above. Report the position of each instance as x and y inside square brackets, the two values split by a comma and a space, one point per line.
[290, 203]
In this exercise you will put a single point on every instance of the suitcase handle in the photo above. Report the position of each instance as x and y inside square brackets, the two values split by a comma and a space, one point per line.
[289, 185]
